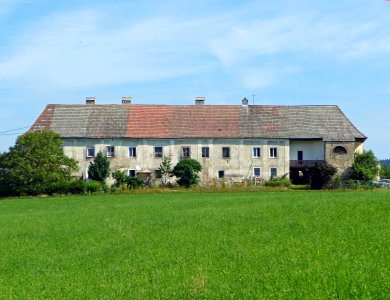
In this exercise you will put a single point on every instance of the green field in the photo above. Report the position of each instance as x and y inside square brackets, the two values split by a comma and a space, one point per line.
[295, 245]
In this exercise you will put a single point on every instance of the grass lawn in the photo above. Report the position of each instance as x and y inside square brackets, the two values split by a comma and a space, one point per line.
[295, 245]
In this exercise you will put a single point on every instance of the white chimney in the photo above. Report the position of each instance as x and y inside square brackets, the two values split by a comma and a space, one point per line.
[200, 100]
[126, 100]
[90, 100]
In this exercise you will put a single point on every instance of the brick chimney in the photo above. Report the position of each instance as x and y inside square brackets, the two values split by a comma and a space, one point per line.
[200, 100]
[90, 100]
[126, 100]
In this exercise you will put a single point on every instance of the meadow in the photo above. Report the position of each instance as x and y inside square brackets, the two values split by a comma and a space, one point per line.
[264, 245]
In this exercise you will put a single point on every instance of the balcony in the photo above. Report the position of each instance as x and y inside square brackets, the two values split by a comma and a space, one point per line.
[304, 163]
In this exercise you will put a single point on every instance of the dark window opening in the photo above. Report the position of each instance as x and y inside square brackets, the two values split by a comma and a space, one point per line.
[225, 152]
[132, 152]
[339, 150]
[221, 174]
[158, 152]
[205, 152]
[185, 152]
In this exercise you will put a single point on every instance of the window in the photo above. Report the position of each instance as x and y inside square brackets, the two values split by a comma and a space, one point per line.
[132, 152]
[339, 150]
[221, 174]
[225, 152]
[185, 152]
[273, 152]
[132, 173]
[158, 152]
[273, 171]
[157, 173]
[91, 151]
[110, 151]
[256, 152]
[205, 152]
[256, 171]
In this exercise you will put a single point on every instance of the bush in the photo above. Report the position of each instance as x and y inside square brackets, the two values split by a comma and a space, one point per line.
[186, 170]
[93, 186]
[365, 167]
[134, 182]
[120, 178]
[321, 174]
[278, 182]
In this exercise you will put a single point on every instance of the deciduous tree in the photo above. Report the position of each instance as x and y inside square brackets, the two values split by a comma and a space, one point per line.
[35, 162]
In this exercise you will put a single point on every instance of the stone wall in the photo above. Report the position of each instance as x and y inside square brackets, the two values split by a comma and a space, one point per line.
[343, 161]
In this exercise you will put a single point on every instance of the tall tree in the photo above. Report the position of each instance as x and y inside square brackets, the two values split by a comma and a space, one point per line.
[99, 169]
[36, 161]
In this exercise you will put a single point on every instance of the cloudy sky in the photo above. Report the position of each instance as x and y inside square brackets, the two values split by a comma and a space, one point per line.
[168, 52]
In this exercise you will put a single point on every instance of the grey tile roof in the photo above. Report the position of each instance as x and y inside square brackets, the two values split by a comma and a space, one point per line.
[198, 121]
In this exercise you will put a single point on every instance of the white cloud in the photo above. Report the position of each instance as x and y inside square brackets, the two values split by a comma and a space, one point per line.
[83, 49]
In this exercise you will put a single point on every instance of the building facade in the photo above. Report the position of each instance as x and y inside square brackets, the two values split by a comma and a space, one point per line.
[234, 142]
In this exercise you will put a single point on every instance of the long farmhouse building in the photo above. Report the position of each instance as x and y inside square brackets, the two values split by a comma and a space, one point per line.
[235, 142]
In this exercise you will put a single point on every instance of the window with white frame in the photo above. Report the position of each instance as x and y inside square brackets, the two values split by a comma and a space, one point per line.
[225, 152]
[273, 172]
[205, 152]
[110, 151]
[158, 152]
[90, 151]
[256, 152]
[132, 173]
[273, 152]
[132, 152]
[185, 152]
[257, 171]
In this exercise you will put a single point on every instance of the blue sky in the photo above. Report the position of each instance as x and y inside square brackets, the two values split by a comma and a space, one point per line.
[168, 52]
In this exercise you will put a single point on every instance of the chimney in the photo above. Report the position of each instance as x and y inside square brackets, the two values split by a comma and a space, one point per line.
[199, 100]
[245, 102]
[90, 100]
[126, 100]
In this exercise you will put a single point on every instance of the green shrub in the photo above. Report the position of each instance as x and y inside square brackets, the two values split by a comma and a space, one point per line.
[120, 178]
[186, 170]
[93, 186]
[278, 182]
[365, 167]
[134, 182]
[321, 175]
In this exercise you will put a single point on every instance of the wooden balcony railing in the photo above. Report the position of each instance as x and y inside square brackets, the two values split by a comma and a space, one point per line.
[304, 163]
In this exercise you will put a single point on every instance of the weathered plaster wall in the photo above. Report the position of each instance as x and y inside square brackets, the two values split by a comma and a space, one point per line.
[237, 167]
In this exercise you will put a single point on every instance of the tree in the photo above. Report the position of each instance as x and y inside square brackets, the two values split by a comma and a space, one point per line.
[385, 172]
[321, 174]
[36, 162]
[166, 170]
[186, 170]
[99, 169]
[365, 167]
